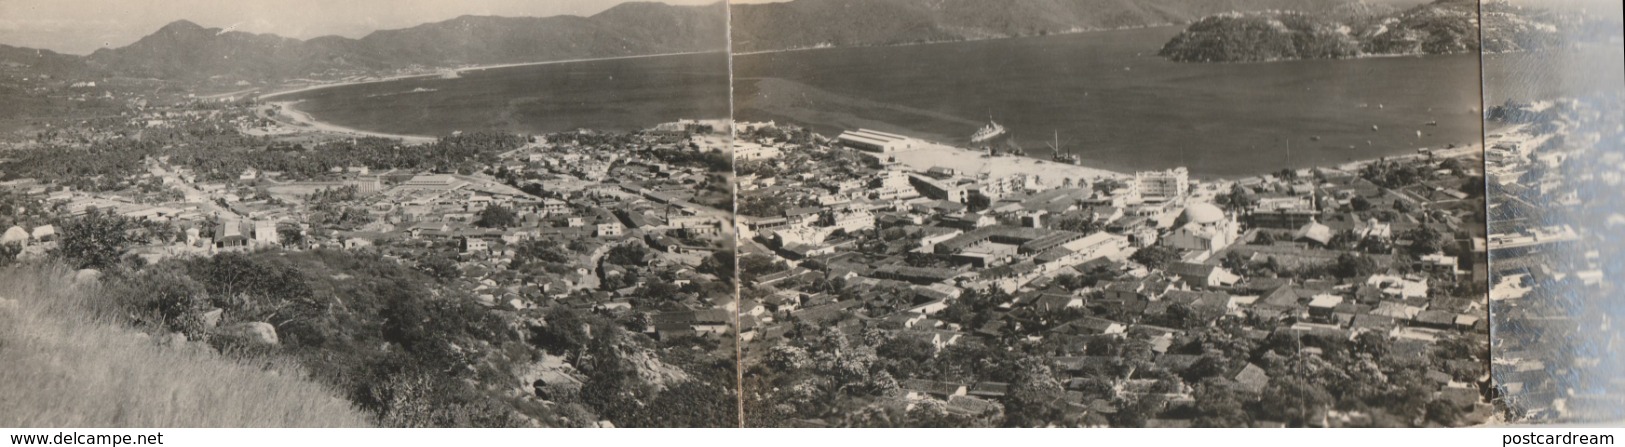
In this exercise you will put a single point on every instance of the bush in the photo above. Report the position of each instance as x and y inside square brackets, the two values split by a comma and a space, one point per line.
[97, 240]
[1155, 257]
[8, 253]
[167, 299]
[496, 216]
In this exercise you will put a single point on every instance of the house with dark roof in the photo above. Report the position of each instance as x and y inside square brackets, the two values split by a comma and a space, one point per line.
[989, 390]
[971, 406]
[693, 322]
[1436, 319]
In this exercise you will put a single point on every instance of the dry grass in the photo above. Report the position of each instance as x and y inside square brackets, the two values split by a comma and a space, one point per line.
[62, 365]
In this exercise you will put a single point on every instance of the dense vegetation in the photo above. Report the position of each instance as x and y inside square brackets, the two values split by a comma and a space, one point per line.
[1441, 27]
[214, 153]
[1261, 37]
[415, 354]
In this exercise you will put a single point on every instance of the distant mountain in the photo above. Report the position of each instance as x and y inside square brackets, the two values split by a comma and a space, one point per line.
[185, 50]
[1441, 27]
[29, 61]
[816, 23]
[629, 29]
[1509, 27]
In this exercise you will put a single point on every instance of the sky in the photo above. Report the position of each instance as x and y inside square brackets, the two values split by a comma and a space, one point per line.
[82, 26]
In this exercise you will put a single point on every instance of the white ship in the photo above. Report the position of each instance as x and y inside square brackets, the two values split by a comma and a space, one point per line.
[993, 129]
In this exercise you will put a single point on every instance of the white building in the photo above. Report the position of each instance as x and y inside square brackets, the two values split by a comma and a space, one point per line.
[1203, 228]
[434, 181]
[852, 221]
[747, 151]
[1166, 185]
[875, 141]
[610, 229]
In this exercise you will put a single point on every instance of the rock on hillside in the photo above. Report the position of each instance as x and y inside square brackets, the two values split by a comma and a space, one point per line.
[251, 334]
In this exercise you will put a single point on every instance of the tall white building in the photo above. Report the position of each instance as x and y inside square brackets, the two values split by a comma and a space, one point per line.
[1160, 186]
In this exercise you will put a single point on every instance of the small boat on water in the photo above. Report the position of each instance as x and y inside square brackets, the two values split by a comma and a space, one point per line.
[1433, 123]
[1059, 155]
[993, 129]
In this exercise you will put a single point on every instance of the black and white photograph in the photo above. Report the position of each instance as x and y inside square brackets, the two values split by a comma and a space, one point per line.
[1099, 214]
[809, 214]
[1555, 98]
[276, 213]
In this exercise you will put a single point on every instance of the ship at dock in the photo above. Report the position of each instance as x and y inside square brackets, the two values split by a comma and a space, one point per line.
[992, 130]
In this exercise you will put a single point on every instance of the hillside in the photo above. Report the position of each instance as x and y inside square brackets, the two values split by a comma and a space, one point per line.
[185, 50]
[403, 348]
[817, 23]
[1509, 27]
[1438, 28]
[65, 367]
[1441, 27]
[1262, 37]
[34, 61]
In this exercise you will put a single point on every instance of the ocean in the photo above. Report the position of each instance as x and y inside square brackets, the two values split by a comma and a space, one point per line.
[1545, 75]
[1113, 102]
[1105, 95]
[614, 94]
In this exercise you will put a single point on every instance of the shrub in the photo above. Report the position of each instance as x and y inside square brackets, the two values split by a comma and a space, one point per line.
[97, 240]
[168, 299]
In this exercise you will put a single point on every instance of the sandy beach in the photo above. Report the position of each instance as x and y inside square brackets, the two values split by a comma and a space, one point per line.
[453, 71]
[568, 61]
[973, 163]
[326, 85]
[289, 114]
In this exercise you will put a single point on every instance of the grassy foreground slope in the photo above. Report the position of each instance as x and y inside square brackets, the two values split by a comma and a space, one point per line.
[64, 364]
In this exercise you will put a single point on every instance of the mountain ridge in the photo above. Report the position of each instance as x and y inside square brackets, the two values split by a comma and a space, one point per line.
[185, 50]
[802, 24]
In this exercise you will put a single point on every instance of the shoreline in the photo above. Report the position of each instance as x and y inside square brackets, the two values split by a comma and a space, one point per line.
[973, 162]
[966, 160]
[300, 119]
[939, 42]
[460, 71]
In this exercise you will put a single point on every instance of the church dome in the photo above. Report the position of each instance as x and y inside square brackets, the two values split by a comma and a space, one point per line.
[1202, 213]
